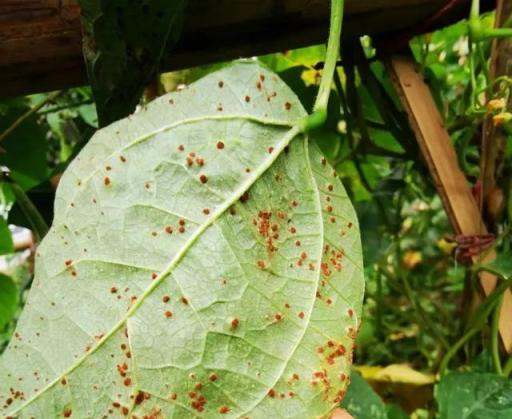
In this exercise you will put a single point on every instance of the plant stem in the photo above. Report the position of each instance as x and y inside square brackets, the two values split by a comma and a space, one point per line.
[495, 349]
[507, 369]
[34, 217]
[453, 350]
[319, 115]
[51, 97]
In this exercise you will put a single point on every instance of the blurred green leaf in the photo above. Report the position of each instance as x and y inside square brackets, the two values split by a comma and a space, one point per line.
[501, 266]
[471, 395]
[123, 44]
[25, 148]
[362, 402]
[8, 300]
[6, 244]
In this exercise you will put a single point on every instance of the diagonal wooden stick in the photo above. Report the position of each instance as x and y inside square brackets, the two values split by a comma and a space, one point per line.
[441, 159]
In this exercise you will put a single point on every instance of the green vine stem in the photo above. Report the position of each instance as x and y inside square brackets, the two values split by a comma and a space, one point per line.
[507, 369]
[494, 338]
[475, 324]
[319, 115]
[34, 217]
[50, 98]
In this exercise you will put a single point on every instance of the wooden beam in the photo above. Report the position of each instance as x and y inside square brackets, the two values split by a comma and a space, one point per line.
[40, 40]
[441, 159]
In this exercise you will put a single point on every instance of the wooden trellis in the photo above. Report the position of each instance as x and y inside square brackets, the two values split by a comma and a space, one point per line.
[441, 159]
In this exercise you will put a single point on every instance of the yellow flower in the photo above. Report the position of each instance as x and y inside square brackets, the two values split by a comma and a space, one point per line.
[412, 258]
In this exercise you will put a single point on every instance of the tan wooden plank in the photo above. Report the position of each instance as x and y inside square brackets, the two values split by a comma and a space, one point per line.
[441, 159]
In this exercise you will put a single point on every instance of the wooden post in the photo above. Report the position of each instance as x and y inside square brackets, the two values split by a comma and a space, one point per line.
[441, 159]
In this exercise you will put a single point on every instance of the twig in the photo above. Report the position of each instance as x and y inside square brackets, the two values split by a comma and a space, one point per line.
[51, 97]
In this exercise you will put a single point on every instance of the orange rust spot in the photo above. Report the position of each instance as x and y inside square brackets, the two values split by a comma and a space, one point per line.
[181, 147]
[270, 150]
[212, 377]
[68, 262]
[184, 300]
[168, 314]
[278, 316]
[154, 275]
[350, 312]
[166, 298]
[287, 106]
[113, 290]
[67, 413]
[220, 145]
[203, 178]
[247, 99]
[127, 381]
[106, 181]
[173, 396]
[224, 409]
[261, 264]
[168, 229]
[271, 393]
[301, 315]
[206, 211]
[122, 158]
[235, 323]
[221, 84]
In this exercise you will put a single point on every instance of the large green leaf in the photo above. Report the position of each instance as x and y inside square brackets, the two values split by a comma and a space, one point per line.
[204, 261]
[471, 395]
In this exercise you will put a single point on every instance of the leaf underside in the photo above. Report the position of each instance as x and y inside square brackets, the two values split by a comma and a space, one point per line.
[204, 261]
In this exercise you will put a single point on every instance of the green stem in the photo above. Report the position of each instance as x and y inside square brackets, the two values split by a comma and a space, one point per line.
[495, 349]
[454, 349]
[34, 217]
[319, 115]
[507, 369]
[50, 98]
[496, 33]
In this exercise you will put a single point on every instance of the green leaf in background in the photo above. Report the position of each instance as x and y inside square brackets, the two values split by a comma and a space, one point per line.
[204, 260]
[6, 244]
[123, 45]
[24, 149]
[8, 300]
[362, 402]
[474, 396]
[501, 266]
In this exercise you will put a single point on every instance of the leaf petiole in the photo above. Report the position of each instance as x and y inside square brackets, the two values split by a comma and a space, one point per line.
[319, 115]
